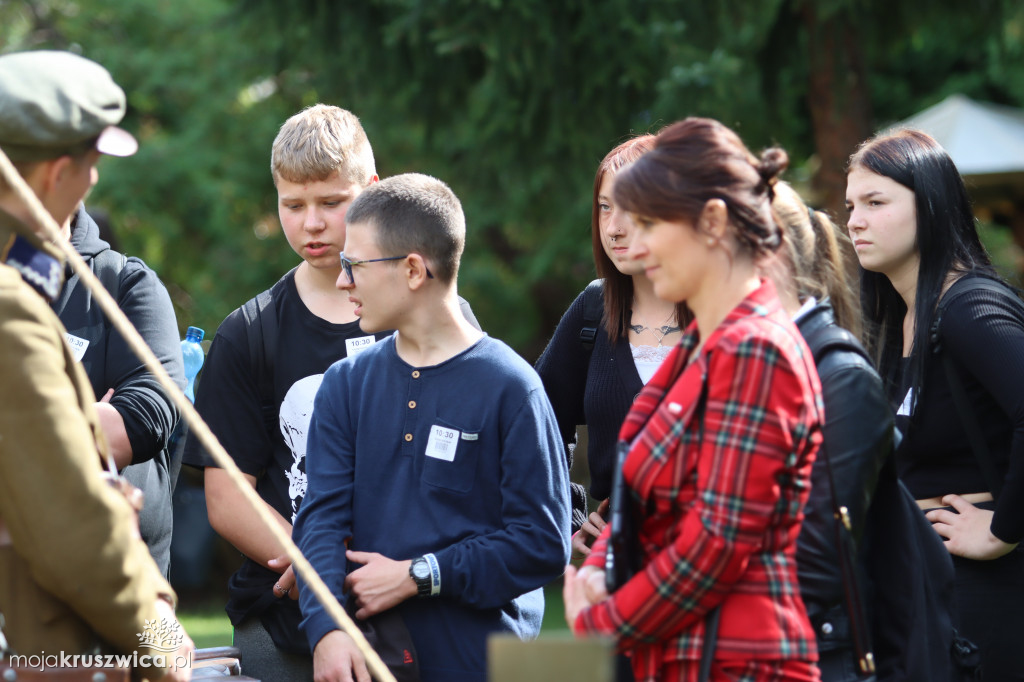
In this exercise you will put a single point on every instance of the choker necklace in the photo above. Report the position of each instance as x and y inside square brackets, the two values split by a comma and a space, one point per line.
[660, 332]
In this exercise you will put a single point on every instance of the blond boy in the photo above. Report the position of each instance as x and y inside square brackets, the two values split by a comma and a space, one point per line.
[262, 373]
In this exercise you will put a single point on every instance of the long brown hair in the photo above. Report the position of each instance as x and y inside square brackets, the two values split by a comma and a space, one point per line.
[618, 288]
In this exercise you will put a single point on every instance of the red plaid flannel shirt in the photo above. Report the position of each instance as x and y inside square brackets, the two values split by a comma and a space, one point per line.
[723, 510]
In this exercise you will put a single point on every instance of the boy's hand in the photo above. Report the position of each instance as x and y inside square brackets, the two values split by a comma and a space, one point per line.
[380, 584]
[286, 584]
[336, 658]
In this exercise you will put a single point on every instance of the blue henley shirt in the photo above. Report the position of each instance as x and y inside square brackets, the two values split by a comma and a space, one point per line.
[463, 460]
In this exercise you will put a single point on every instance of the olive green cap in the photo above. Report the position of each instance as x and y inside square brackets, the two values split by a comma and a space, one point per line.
[56, 103]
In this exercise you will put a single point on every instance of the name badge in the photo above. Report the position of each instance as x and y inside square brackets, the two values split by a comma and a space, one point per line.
[358, 345]
[78, 346]
[442, 443]
[907, 402]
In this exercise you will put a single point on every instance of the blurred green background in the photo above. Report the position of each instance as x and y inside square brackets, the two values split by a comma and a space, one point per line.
[513, 103]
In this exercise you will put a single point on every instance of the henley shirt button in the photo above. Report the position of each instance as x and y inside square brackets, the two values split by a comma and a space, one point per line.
[415, 374]
[412, 404]
[408, 437]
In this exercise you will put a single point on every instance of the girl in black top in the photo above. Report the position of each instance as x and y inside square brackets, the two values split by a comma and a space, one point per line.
[915, 236]
[637, 330]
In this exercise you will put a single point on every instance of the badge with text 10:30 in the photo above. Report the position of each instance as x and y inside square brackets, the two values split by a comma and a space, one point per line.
[442, 443]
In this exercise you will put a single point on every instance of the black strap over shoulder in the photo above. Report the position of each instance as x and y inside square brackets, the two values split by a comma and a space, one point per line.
[593, 310]
[963, 404]
[261, 329]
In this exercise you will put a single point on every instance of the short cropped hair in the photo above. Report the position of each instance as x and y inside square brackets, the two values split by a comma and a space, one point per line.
[415, 213]
[319, 141]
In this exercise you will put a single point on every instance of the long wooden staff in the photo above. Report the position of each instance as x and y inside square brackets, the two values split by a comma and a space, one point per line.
[195, 423]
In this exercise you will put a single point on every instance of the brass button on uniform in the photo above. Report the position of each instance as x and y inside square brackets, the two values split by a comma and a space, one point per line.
[415, 374]
[408, 437]
[412, 404]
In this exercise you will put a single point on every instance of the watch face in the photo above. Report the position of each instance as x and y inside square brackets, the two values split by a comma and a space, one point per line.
[420, 570]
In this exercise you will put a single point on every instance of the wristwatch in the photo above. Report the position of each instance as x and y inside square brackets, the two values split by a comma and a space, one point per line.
[419, 571]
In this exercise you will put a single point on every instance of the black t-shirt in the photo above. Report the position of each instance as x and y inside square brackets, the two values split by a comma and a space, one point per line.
[228, 399]
[984, 334]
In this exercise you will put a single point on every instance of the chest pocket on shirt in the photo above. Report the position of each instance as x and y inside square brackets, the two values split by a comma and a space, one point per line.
[450, 457]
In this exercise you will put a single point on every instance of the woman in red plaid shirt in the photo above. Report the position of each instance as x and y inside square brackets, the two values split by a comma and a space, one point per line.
[724, 435]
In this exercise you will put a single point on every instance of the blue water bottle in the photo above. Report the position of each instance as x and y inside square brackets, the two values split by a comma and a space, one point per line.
[194, 357]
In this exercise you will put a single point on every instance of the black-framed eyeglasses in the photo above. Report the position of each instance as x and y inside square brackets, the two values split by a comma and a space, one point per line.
[346, 265]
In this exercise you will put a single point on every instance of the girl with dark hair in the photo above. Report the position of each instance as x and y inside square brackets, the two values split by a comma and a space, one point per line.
[917, 243]
[722, 437]
[634, 334]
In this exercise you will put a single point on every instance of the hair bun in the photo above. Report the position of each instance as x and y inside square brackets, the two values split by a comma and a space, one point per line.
[773, 161]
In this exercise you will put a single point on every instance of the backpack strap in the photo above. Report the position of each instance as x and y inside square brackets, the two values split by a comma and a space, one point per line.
[823, 341]
[262, 330]
[968, 417]
[593, 310]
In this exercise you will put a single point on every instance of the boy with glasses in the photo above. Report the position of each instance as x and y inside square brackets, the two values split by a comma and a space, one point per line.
[438, 487]
[261, 375]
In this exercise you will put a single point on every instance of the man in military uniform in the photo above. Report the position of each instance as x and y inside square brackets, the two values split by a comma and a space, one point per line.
[74, 574]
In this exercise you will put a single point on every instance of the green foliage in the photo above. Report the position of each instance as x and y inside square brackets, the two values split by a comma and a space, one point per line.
[188, 201]
[512, 103]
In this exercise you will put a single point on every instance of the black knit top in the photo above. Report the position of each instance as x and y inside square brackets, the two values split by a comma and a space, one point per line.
[595, 388]
[984, 333]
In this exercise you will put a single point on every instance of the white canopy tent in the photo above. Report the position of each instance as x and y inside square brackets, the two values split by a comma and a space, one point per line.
[986, 141]
[981, 138]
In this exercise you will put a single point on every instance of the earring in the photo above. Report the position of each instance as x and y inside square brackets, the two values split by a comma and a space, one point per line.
[711, 241]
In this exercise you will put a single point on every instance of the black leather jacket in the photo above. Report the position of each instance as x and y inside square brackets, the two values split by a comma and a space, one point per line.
[858, 437]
